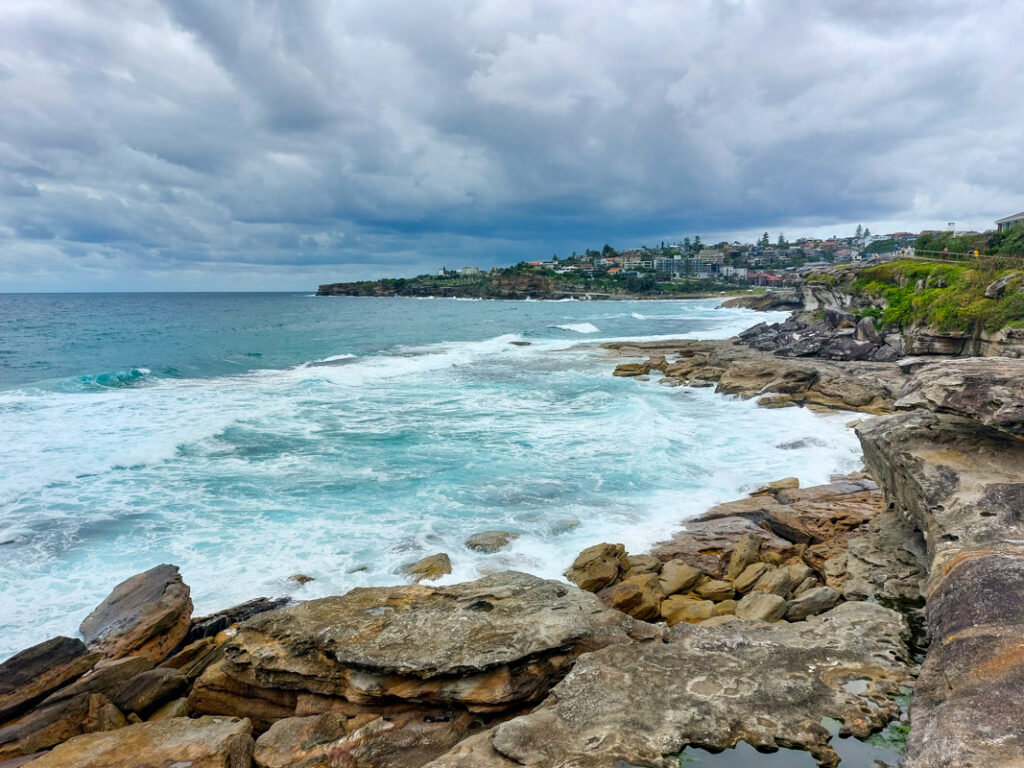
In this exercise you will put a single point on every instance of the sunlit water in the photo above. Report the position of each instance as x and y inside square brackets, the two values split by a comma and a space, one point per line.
[201, 430]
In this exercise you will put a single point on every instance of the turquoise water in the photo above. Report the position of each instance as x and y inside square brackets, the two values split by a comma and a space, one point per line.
[250, 437]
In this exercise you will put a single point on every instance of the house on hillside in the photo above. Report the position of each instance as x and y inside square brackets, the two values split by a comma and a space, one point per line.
[1009, 222]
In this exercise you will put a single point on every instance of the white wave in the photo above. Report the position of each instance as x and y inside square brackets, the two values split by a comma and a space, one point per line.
[578, 327]
[637, 316]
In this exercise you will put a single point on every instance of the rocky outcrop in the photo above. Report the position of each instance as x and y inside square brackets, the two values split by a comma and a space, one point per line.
[767, 301]
[871, 387]
[429, 568]
[766, 684]
[209, 626]
[27, 677]
[147, 615]
[206, 742]
[490, 541]
[955, 472]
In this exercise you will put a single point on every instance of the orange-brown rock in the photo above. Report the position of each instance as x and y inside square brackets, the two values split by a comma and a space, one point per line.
[147, 615]
[598, 566]
[27, 677]
[639, 596]
[708, 544]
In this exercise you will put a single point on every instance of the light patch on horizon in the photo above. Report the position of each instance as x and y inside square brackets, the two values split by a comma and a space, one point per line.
[184, 144]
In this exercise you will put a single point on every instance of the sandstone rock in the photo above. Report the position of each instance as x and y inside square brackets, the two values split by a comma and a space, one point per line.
[107, 679]
[639, 596]
[776, 582]
[209, 626]
[709, 544]
[677, 576]
[989, 391]
[598, 566]
[866, 331]
[811, 603]
[997, 288]
[430, 568]
[716, 590]
[27, 677]
[766, 684]
[404, 741]
[798, 572]
[54, 723]
[632, 369]
[761, 605]
[809, 583]
[173, 708]
[748, 549]
[147, 615]
[194, 658]
[490, 541]
[486, 645]
[726, 608]
[778, 485]
[885, 561]
[301, 578]
[217, 693]
[643, 564]
[206, 742]
[147, 691]
[684, 608]
[746, 580]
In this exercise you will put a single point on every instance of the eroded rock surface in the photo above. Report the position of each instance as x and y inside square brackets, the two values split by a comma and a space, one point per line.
[147, 615]
[767, 684]
[27, 677]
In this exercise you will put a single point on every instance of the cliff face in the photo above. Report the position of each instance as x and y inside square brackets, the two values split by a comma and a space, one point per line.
[503, 285]
[953, 468]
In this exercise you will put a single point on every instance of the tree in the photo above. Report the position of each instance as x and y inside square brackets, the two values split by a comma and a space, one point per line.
[608, 251]
[860, 232]
[687, 245]
[697, 245]
[867, 232]
[782, 241]
[764, 240]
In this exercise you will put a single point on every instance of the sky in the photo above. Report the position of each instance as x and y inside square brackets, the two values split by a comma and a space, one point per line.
[276, 145]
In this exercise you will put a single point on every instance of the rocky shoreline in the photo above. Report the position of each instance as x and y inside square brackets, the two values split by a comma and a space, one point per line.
[783, 620]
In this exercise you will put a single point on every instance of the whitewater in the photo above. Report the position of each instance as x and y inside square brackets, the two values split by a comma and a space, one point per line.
[251, 437]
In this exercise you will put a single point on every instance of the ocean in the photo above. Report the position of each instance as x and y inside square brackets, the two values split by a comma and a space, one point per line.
[251, 437]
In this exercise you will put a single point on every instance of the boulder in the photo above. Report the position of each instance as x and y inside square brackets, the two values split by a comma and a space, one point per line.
[205, 742]
[750, 576]
[764, 606]
[598, 566]
[642, 564]
[173, 708]
[430, 568]
[716, 590]
[774, 487]
[106, 679]
[639, 596]
[322, 741]
[747, 552]
[490, 541]
[997, 288]
[194, 658]
[866, 331]
[811, 603]
[767, 684]
[777, 582]
[632, 369]
[209, 626]
[677, 576]
[147, 615]
[486, 645]
[147, 691]
[217, 693]
[686, 608]
[27, 677]
[709, 544]
[55, 723]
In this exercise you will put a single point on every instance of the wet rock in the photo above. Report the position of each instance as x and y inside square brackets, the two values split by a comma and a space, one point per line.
[632, 369]
[430, 568]
[598, 566]
[147, 691]
[766, 684]
[490, 541]
[778, 485]
[811, 603]
[486, 645]
[677, 576]
[206, 742]
[746, 580]
[639, 596]
[716, 590]
[680, 608]
[764, 606]
[209, 626]
[709, 544]
[404, 741]
[301, 578]
[147, 615]
[27, 677]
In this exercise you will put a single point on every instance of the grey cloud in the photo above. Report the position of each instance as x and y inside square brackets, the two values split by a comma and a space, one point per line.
[272, 138]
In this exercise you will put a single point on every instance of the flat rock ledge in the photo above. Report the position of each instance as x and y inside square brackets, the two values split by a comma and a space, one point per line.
[736, 369]
[766, 684]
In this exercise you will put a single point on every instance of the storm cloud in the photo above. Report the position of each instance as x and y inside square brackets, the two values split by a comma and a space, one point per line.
[254, 144]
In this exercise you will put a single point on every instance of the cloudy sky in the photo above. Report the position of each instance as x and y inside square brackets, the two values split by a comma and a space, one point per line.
[253, 144]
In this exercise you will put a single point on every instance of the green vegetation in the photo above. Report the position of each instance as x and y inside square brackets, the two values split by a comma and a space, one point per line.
[951, 296]
[1010, 242]
[882, 246]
